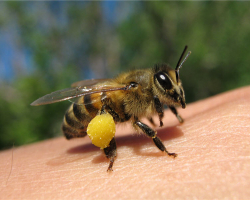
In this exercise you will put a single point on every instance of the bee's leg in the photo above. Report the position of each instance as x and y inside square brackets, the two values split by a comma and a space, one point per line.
[150, 119]
[110, 153]
[151, 133]
[173, 109]
[159, 109]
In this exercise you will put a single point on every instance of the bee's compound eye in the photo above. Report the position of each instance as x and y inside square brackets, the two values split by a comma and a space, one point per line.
[163, 80]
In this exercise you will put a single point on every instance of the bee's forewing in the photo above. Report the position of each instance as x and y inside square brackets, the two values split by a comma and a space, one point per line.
[61, 95]
[71, 93]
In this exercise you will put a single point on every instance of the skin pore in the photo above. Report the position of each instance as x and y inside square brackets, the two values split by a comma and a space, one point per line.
[213, 147]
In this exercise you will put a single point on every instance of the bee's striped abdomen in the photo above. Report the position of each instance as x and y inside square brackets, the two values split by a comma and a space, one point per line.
[78, 116]
[72, 127]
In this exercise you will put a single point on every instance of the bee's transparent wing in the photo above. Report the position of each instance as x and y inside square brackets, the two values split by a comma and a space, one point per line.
[88, 83]
[71, 93]
[80, 100]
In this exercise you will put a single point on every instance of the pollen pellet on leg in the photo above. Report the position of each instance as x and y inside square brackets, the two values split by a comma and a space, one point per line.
[101, 130]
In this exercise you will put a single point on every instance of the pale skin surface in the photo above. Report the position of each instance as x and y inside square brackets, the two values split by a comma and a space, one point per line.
[213, 147]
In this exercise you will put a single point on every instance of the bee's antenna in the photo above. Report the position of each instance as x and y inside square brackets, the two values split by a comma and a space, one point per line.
[179, 64]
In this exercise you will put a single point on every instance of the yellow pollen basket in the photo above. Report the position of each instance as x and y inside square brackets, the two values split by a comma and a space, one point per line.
[101, 130]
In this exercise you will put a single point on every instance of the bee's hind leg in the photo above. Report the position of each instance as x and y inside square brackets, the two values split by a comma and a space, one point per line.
[151, 133]
[110, 153]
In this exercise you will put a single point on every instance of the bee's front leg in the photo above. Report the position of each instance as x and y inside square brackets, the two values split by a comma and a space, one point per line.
[173, 109]
[151, 133]
[159, 109]
[110, 153]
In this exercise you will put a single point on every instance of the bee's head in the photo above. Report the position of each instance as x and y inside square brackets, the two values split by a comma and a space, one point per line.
[168, 84]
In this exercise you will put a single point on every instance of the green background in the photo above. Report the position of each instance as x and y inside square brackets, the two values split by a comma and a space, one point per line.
[58, 43]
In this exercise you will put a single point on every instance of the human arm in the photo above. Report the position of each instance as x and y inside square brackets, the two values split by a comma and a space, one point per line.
[213, 147]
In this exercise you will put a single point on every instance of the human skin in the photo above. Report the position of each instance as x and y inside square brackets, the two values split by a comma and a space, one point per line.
[213, 147]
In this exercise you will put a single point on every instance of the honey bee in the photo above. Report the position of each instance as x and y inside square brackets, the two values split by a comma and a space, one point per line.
[129, 96]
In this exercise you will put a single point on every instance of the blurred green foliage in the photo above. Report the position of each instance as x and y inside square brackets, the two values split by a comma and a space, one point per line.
[69, 41]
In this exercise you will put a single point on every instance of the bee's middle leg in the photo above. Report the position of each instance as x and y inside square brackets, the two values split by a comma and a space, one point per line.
[110, 153]
[151, 133]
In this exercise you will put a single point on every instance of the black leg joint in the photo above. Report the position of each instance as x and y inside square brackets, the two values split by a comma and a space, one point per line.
[146, 129]
[151, 133]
